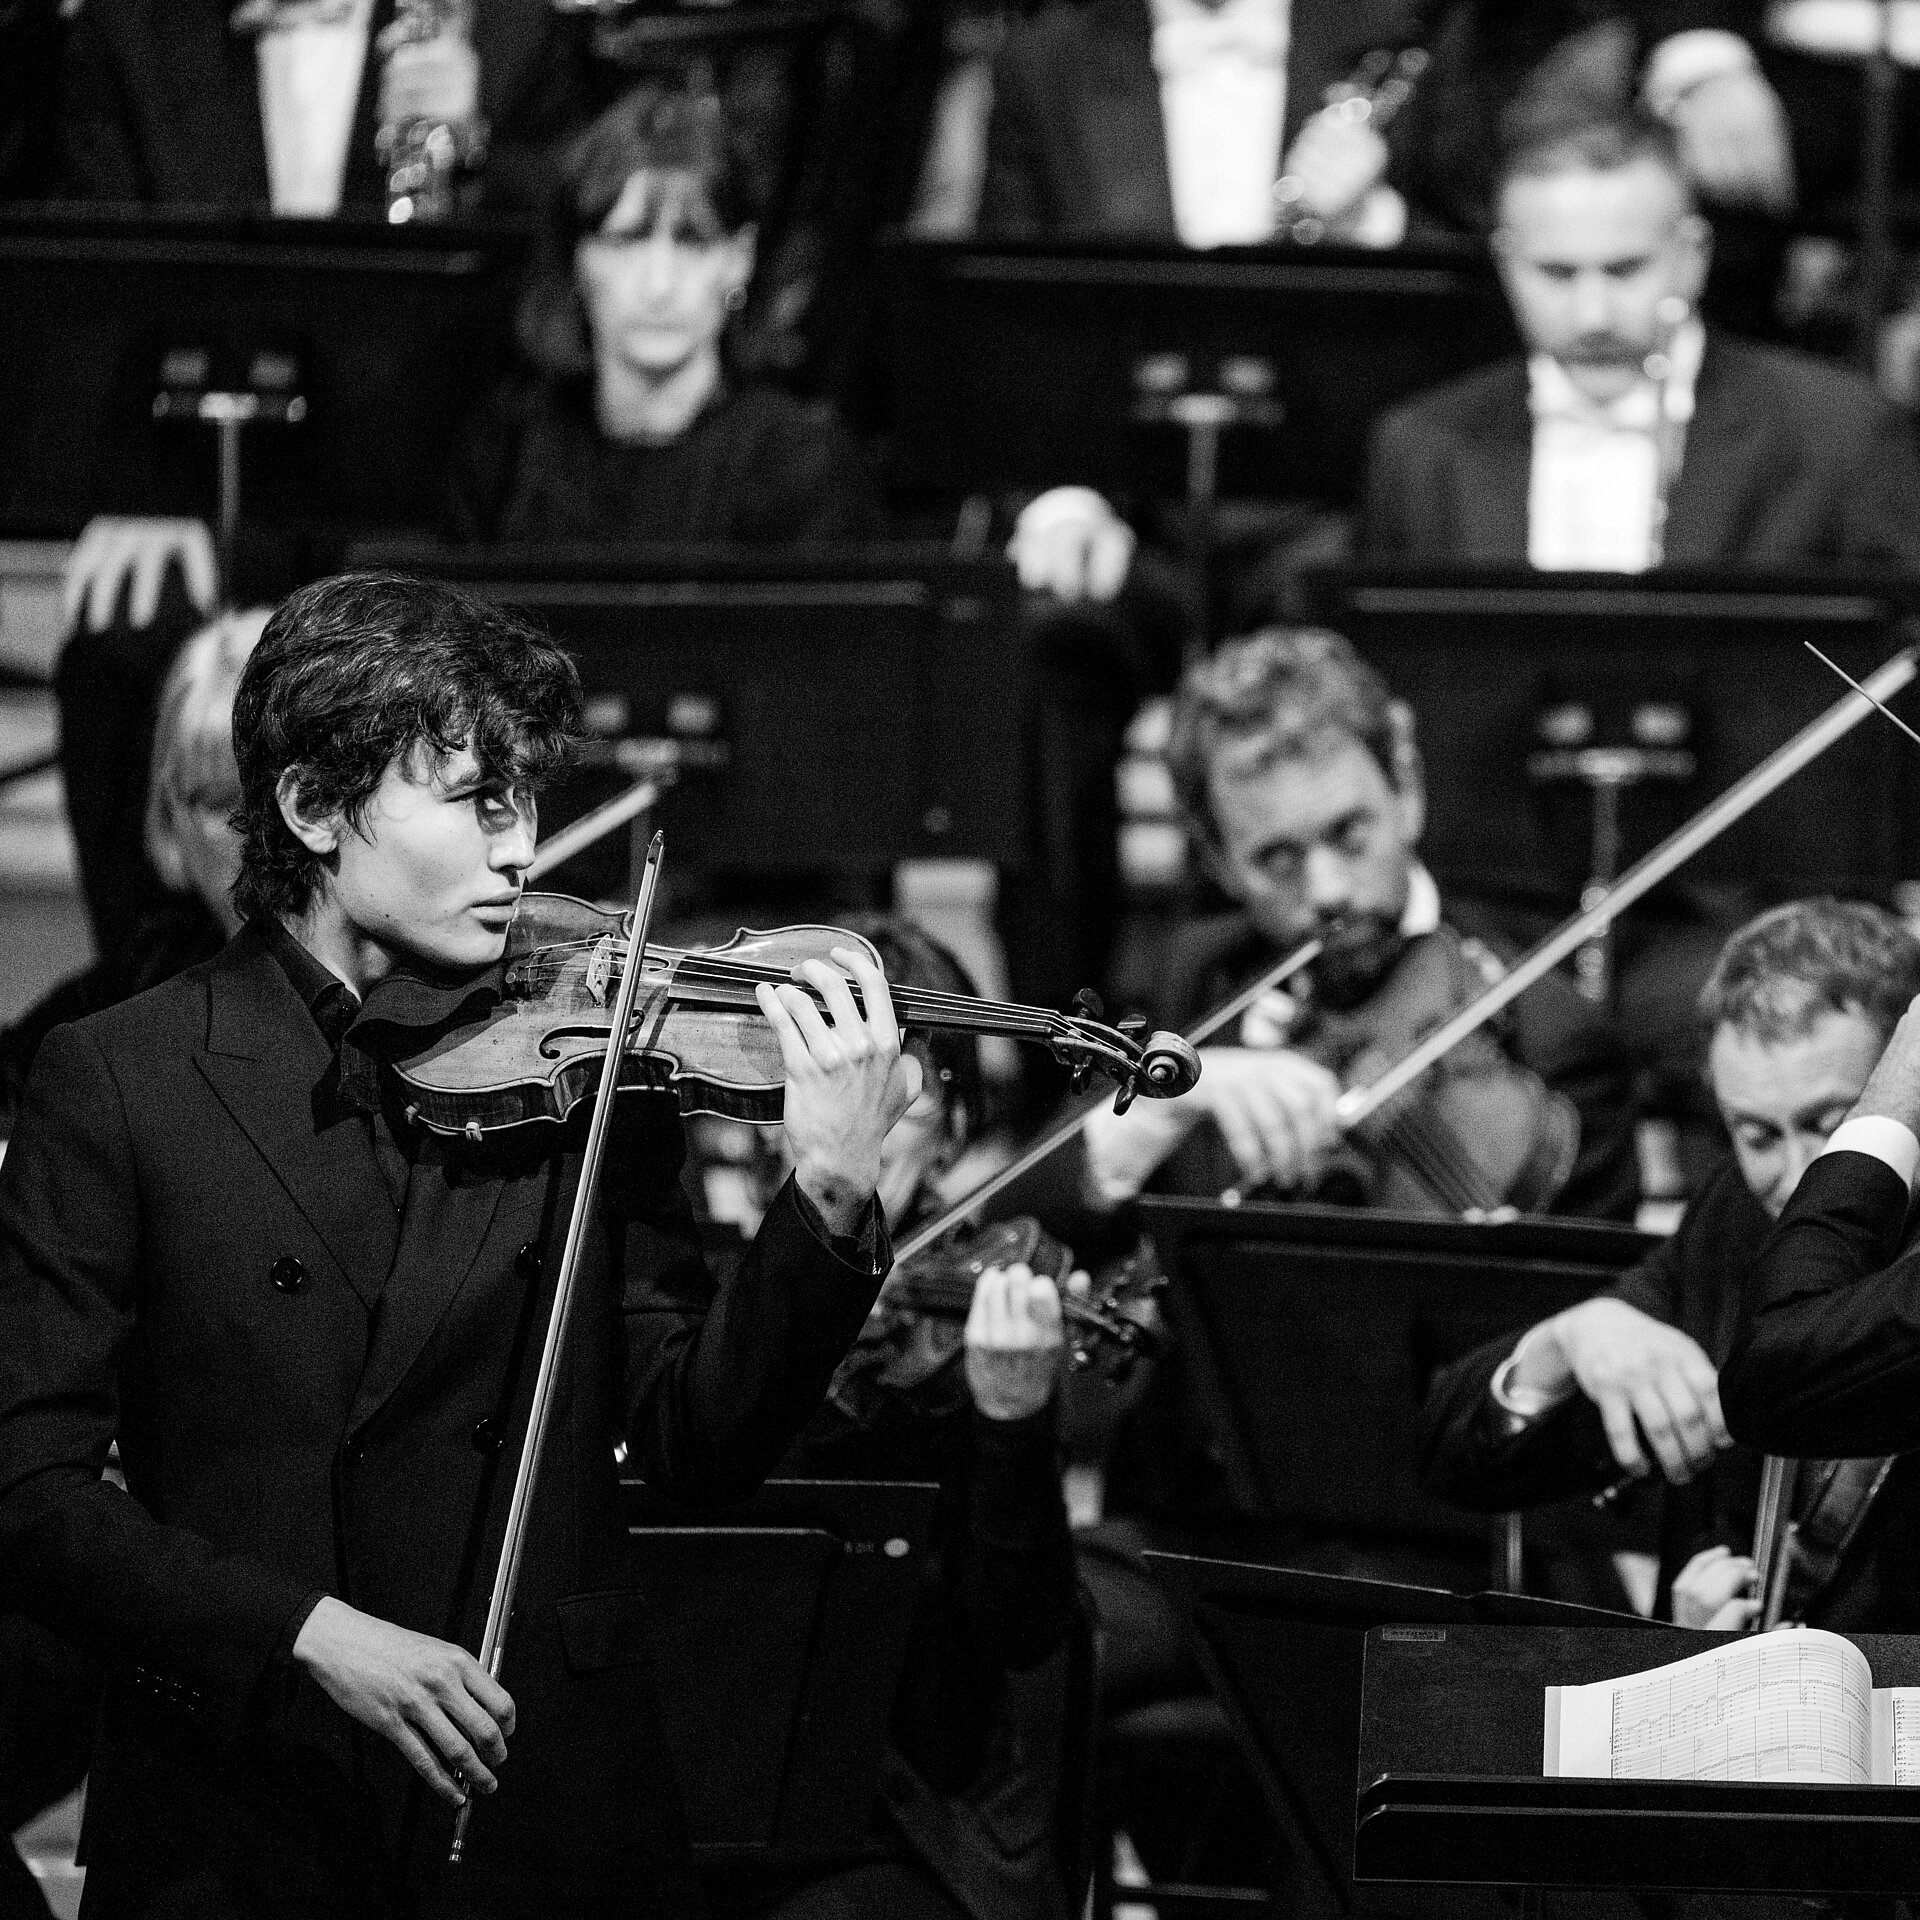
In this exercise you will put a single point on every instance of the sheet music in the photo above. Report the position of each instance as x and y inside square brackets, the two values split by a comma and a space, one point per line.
[1896, 1736]
[1779, 1706]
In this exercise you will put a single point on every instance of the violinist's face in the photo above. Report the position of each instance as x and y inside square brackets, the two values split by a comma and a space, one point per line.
[1319, 842]
[431, 871]
[1782, 1099]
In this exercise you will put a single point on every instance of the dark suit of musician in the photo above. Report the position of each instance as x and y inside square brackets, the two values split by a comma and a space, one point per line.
[161, 102]
[1473, 1454]
[1077, 143]
[317, 1391]
[1786, 461]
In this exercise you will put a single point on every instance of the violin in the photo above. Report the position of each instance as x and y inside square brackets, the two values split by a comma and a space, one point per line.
[914, 1340]
[697, 1028]
[1810, 1514]
[1479, 1132]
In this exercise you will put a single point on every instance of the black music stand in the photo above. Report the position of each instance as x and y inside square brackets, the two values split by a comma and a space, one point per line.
[1028, 366]
[1452, 1793]
[1312, 1334]
[390, 336]
[864, 700]
[1283, 1652]
[778, 1629]
[1480, 654]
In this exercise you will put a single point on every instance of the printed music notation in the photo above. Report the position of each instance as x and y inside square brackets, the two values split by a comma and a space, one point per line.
[1798, 1705]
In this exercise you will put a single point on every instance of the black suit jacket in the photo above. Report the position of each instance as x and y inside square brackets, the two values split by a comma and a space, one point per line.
[312, 1396]
[1699, 1281]
[1076, 146]
[1787, 461]
[161, 102]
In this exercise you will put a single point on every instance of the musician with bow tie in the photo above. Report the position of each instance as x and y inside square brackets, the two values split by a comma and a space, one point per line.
[1633, 435]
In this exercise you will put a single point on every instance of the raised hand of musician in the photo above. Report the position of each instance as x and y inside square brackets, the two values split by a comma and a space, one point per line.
[1644, 1376]
[847, 1080]
[1337, 162]
[1735, 142]
[435, 80]
[1893, 1088]
[1014, 1342]
[1274, 1109]
[117, 553]
[1070, 543]
[1714, 1591]
[431, 1699]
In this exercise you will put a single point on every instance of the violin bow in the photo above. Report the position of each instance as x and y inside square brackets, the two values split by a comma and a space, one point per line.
[1071, 1128]
[1746, 793]
[506, 1577]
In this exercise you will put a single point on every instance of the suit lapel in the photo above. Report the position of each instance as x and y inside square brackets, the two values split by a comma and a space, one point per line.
[1129, 191]
[263, 1059]
[451, 1206]
[1493, 469]
[1725, 454]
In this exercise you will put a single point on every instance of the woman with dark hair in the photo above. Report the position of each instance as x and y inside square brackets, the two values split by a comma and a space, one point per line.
[634, 429]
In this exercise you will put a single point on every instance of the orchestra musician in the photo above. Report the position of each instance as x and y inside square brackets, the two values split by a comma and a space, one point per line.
[1299, 776]
[979, 1730]
[1822, 1356]
[1797, 1010]
[223, 1242]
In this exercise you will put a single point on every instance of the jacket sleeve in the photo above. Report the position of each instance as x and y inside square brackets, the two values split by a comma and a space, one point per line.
[1826, 1355]
[720, 1380]
[197, 1628]
[1020, 1597]
[1470, 1452]
[1013, 192]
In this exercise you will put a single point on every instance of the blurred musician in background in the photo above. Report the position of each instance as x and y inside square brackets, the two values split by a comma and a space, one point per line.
[635, 429]
[1300, 779]
[186, 841]
[279, 104]
[1173, 119]
[1797, 1011]
[980, 1732]
[1633, 435]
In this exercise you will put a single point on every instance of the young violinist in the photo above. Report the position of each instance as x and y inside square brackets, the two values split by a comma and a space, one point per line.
[1796, 1012]
[1299, 777]
[305, 1320]
[972, 1782]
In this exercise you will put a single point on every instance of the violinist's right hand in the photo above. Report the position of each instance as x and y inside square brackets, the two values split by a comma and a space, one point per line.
[1714, 1592]
[115, 553]
[1644, 1376]
[1070, 543]
[433, 1700]
[1274, 1109]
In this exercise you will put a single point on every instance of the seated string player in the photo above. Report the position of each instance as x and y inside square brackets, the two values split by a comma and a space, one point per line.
[1299, 777]
[979, 1736]
[227, 1244]
[1797, 1011]
[1633, 435]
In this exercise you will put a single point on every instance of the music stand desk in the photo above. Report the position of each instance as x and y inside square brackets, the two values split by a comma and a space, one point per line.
[1451, 1789]
[1282, 1650]
[779, 1626]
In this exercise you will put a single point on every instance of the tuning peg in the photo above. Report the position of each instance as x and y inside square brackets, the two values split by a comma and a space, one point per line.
[1089, 1005]
[1123, 1096]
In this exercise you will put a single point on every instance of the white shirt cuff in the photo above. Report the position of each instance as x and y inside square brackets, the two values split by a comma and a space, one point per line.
[1682, 61]
[1889, 1141]
[1522, 1404]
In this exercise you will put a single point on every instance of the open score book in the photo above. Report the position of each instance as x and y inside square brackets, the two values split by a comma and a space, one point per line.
[1797, 1705]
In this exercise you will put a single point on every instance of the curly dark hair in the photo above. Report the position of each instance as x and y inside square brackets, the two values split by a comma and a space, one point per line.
[356, 672]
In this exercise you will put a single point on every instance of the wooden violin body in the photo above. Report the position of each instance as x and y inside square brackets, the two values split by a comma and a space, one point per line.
[697, 1031]
[1478, 1131]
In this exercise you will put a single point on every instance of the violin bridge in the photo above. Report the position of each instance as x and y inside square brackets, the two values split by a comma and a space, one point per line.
[600, 970]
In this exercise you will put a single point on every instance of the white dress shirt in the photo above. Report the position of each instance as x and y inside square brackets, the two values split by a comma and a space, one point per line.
[1223, 98]
[1846, 29]
[309, 60]
[1123, 1149]
[1594, 478]
[1889, 1141]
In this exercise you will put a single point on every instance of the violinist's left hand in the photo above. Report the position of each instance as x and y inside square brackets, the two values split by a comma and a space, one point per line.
[847, 1081]
[1014, 1341]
